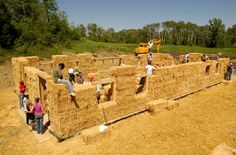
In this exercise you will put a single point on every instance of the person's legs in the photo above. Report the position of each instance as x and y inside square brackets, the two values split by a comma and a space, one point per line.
[227, 76]
[68, 84]
[21, 100]
[27, 118]
[230, 75]
[70, 77]
[41, 124]
[37, 123]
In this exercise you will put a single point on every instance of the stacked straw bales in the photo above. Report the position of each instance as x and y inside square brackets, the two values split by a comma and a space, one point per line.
[193, 57]
[86, 62]
[69, 115]
[18, 65]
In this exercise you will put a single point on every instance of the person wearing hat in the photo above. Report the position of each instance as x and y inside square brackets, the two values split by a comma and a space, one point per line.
[230, 71]
[38, 112]
[28, 106]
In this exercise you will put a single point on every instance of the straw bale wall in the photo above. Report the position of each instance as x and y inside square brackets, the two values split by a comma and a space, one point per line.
[18, 65]
[129, 60]
[69, 115]
[86, 62]
[193, 57]
[162, 59]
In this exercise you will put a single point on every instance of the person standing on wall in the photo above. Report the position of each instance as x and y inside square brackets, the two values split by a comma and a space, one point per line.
[38, 111]
[150, 44]
[150, 69]
[58, 78]
[71, 75]
[205, 58]
[186, 57]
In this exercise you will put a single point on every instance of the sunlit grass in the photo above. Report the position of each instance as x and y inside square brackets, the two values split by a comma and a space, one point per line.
[85, 45]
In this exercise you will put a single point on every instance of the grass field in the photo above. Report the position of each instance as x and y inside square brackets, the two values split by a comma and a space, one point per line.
[91, 46]
[85, 45]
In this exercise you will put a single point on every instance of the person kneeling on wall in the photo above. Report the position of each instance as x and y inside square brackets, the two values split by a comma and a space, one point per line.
[58, 78]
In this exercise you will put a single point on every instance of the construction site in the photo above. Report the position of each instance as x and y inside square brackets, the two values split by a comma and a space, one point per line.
[127, 89]
[180, 109]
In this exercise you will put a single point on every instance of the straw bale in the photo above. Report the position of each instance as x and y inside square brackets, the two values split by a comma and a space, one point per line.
[129, 60]
[172, 105]
[86, 118]
[86, 95]
[87, 63]
[56, 59]
[106, 73]
[117, 111]
[163, 58]
[156, 106]
[93, 134]
[142, 59]
[126, 83]
[141, 70]
[124, 70]
[33, 61]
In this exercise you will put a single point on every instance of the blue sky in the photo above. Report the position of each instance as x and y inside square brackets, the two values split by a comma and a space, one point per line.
[125, 14]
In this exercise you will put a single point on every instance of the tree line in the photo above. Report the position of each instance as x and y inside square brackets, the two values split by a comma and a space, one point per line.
[40, 22]
[213, 34]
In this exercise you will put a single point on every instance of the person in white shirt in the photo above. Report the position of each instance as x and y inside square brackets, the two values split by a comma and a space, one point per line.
[150, 44]
[186, 57]
[71, 75]
[150, 69]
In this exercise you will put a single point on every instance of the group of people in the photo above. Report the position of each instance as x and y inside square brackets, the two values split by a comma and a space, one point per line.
[75, 76]
[33, 112]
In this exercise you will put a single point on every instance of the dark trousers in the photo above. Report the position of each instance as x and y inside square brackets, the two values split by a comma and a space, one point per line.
[29, 116]
[71, 77]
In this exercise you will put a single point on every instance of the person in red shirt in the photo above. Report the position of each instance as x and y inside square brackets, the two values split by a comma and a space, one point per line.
[21, 94]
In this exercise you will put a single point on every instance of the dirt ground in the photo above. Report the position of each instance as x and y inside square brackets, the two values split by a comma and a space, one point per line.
[203, 121]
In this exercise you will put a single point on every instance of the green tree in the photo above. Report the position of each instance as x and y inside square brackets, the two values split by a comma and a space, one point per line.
[152, 31]
[231, 33]
[82, 30]
[92, 31]
[8, 33]
[217, 33]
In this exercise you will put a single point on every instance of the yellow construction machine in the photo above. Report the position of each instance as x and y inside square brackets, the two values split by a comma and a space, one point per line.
[143, 47]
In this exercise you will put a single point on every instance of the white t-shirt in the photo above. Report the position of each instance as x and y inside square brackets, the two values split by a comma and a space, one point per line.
[99, 86]
[150, 44]
[71, 70]
[186, 56]
[149, 69]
